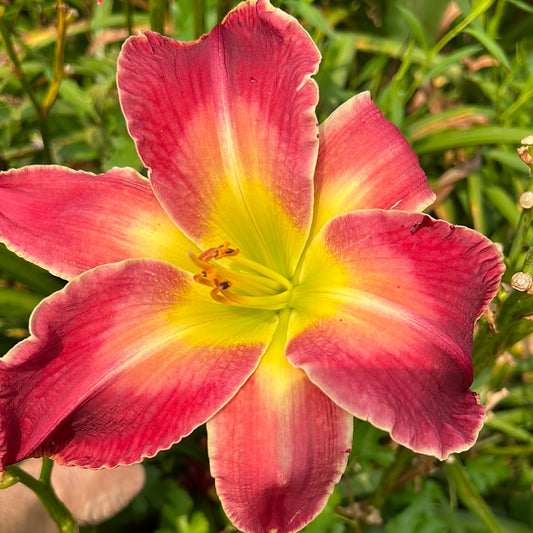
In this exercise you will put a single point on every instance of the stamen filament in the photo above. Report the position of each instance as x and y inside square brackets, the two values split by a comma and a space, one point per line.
[202, 265]
[204, 281]
[273, 281]
[258, 287]
[249, 279]
[265, 271]
[273, 303]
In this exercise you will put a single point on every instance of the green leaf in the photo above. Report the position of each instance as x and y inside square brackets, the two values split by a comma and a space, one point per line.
[368, 446]
[486, 471]
[422, 515]
[326, 521]
[123, 154]
[522, 5]
[492, 46]
[76, 152]
[450, 63]
[16, 302]
[504, 203]
[198, 523]
[427, 14]
[431, 124]
[498, 423]
[472, 524]
[449, 139]
[390, 47]
[470, 496]
[475, 200]
[70, 91]
[507, 159]
[35, 278]
[415, 26]
[311, 14]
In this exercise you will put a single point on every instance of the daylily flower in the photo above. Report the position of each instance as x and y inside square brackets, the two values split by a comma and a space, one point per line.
[272, 278]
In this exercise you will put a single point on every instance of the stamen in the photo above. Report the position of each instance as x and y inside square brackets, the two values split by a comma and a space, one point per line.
[247, 280]
[266, 288]
[274, 302]
[219, 252]
[216, 292]
[202, 280]
[261, 269]
[202, 265]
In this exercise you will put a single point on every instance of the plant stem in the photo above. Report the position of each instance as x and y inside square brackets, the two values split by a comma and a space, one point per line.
[198, 15]
[44, 491]
[64, 16]
[223, 6]
[129, 16]
[469, 494]
[528, 261]
[26, 85]
[493, 26]
[517, 244]
[390, 476]
[157, 16]
[46, 470]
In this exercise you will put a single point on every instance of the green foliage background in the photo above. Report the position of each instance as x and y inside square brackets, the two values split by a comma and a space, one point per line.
[457, 79]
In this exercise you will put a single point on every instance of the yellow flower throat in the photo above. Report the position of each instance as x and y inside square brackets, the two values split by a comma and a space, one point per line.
[245, 284]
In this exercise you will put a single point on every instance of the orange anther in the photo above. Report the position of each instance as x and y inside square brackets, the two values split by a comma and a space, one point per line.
[223, 250]
[207, 255]
[203, 280]
[217, 292]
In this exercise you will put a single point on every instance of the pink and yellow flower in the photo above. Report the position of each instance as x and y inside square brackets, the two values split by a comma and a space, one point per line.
[272, 278]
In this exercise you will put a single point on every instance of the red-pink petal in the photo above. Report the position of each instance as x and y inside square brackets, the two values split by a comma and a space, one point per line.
[122, 363]
[364, 162]
[227, 126]
[277, 449]
[402, 299]
[70, 221]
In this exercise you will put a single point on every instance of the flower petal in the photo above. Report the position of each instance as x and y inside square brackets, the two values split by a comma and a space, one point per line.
[70, 221]
[399, 294]
[364, 162]
[227, 126]
[92, 496]
[277, 449]
[122, 363]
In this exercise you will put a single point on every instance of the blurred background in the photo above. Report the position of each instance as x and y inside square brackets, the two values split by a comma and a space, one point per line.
[457, 80]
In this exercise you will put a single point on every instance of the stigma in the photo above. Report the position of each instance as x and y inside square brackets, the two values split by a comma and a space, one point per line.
[240, 282]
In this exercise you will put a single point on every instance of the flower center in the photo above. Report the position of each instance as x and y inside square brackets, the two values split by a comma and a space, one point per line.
[242, 282]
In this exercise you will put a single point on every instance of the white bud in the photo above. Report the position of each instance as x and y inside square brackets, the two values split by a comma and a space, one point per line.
[521, 281]
[526, 200]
